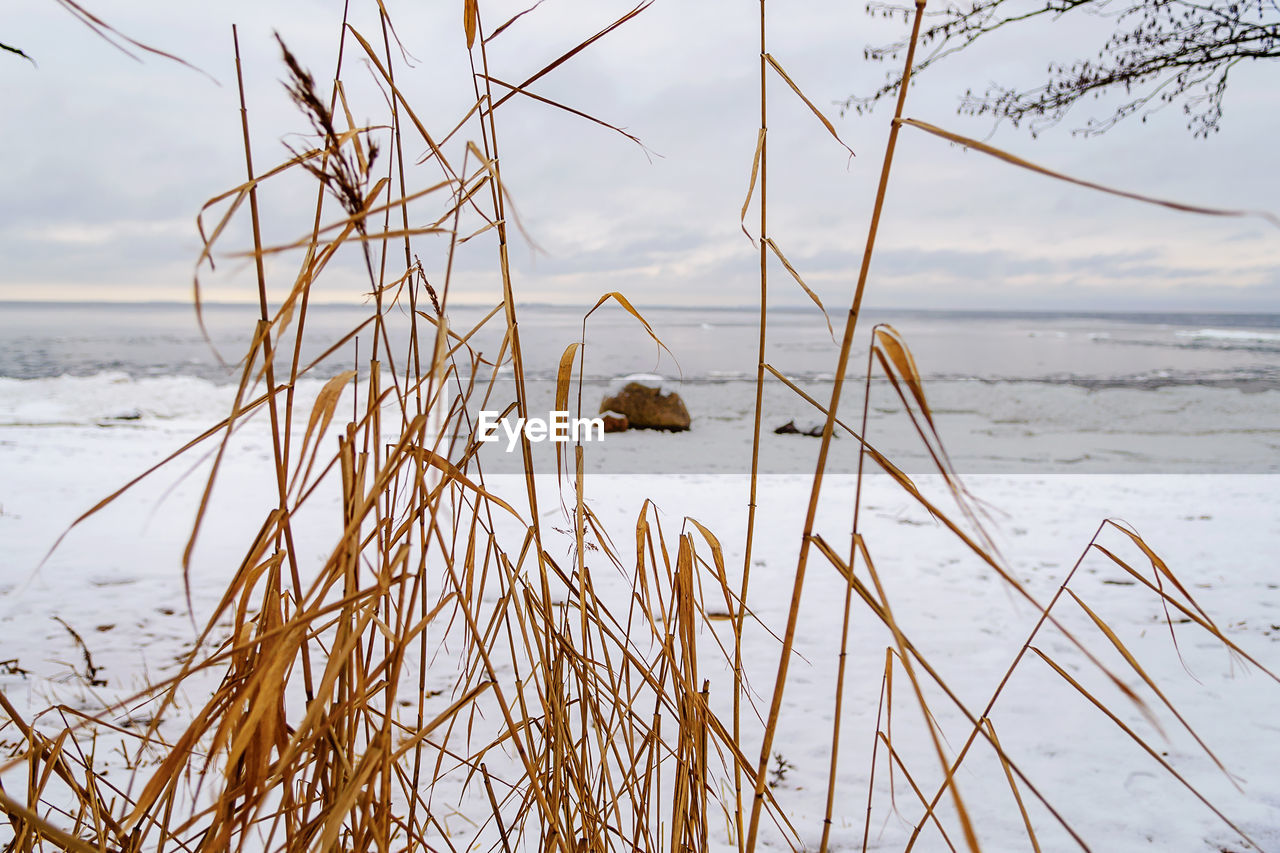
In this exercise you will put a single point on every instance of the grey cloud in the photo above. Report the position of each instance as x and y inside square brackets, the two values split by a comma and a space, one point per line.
[108, 142]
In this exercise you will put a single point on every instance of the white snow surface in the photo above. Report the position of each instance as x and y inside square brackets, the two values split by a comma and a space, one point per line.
[116, 579]
[649, 380]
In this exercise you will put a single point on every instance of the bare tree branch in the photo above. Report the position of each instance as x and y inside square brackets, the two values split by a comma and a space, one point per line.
[1160, 53]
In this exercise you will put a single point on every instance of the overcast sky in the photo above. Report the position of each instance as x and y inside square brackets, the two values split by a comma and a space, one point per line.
[107, 161]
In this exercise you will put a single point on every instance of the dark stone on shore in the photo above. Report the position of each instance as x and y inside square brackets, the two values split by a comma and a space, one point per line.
[648, 408]
[790, 428]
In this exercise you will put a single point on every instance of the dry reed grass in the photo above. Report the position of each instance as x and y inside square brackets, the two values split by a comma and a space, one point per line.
[576, 721]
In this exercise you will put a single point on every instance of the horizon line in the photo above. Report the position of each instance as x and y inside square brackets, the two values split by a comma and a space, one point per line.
[788, 308]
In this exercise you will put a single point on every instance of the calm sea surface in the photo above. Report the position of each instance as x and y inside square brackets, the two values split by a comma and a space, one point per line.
[39, 340]
[1012, 392]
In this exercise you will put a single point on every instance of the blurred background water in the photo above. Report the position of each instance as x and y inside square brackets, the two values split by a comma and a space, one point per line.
[1012, 392]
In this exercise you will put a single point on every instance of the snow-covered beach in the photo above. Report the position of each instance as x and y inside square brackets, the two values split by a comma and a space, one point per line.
[1190, 465]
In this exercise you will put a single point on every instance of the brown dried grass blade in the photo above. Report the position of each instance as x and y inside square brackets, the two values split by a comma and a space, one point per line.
[507, 200]
[880, 459]
[890, 343]
[751, 185]
[444, 716]
[1013, 784]
[731, 602]
[564, 375]
[579, 113]
[322, 412]
[800, 281]
[1041, 170]
[43, 827]
[581, 46]
[1190, 614]
[109, 499]
[470, 20]
[517, 16]
[630, 309]
[1150, 682]
[1161, 568]
[403, 102]
[1101, 706]
[564, 379]
[241, 193]
[890, 349]
[352, 133]
[808, 103]
[452, 473]
[109, 34]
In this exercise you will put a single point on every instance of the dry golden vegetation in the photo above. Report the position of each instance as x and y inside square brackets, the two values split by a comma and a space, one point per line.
[580, 716]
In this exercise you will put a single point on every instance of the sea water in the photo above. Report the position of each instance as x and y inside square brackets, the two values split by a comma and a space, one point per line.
[1024, 392]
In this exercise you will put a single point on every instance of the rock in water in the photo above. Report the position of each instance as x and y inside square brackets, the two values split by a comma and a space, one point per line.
[648, 408]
